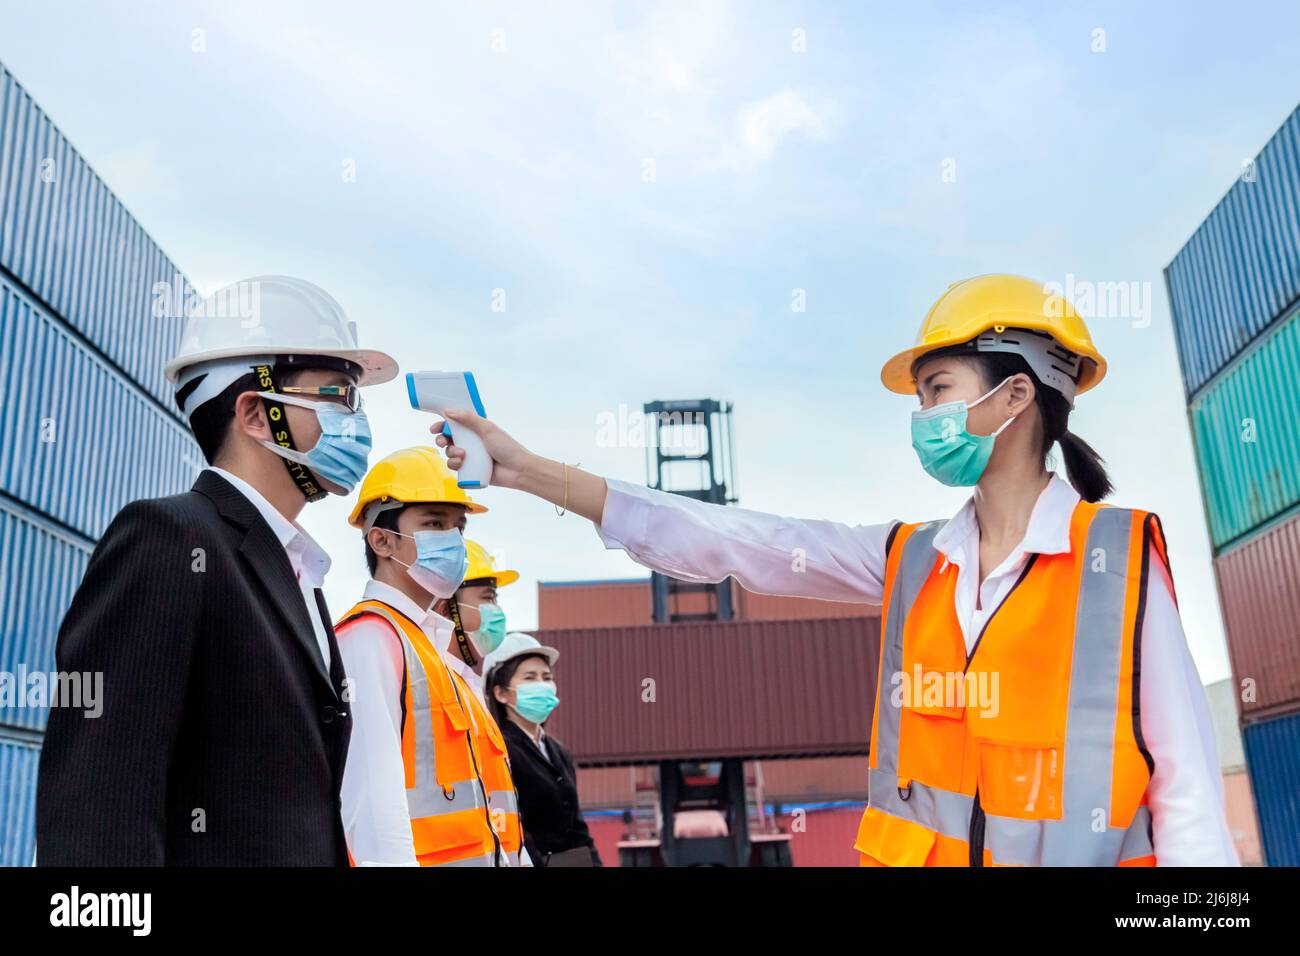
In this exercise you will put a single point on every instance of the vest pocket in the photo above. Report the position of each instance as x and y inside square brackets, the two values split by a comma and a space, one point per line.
[452, 763]
[1020, 780]
[892, 841]
[455, 716]
[931, 691]
[436, 837]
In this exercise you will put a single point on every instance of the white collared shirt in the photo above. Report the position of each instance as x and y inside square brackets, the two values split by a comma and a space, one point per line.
[695, 541]
[309, 561]
[376, 818]
[540, 740]
[959, 542]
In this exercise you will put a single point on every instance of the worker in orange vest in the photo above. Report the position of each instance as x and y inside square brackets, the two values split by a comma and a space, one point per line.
[1036, 701]
[428, 779]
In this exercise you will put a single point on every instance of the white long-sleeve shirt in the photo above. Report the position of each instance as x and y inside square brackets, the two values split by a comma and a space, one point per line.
[376, 820]
[769, 554]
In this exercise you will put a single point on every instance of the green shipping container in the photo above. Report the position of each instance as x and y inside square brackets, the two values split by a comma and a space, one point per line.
[1247, 430]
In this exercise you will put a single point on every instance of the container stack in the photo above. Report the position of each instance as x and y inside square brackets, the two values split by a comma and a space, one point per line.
[90, 309]
[1234, 292]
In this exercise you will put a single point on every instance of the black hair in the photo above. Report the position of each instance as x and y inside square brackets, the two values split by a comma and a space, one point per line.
[501, 677]
[211, 421]
[388, 521]
[1083, 466]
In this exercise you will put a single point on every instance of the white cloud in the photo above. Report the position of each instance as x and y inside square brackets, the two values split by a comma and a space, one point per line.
[761, 126]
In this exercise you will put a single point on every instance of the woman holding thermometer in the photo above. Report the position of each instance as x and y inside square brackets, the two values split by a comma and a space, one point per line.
[1037, 705]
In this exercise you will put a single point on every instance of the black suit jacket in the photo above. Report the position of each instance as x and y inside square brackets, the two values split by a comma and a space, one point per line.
[222, 738]
[548, 796]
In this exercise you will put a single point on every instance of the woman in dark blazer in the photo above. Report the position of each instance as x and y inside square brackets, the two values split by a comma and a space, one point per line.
[520, 691]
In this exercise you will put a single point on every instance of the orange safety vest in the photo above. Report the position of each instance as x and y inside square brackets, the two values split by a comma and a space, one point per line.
[1028, 751]
[454, 755]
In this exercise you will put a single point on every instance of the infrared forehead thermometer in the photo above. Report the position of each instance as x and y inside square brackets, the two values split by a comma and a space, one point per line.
[439, 391]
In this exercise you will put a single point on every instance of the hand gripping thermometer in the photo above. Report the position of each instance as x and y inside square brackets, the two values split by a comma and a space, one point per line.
[439, 391]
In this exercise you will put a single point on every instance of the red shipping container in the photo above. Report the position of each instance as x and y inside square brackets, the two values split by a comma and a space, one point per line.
[562, 604]
[768, 607]
[819, 779]
[750, 689]
[1259, 591]
[602, 787]
[593, 603]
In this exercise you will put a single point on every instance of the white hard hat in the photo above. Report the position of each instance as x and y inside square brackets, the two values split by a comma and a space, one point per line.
[273, 316]
[517, 644]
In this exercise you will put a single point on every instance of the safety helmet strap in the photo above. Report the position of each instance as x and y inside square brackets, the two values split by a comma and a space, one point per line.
[1056, 366]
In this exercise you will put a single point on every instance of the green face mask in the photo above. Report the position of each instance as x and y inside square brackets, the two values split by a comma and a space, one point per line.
[948, 452]
[534, 700]
[492, 627]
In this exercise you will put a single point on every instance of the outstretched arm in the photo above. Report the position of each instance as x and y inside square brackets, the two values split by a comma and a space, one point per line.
[694, 540]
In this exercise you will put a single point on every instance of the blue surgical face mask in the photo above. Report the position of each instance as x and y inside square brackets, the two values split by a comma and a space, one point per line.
[948, 452]
[492, 629]
[343, 449]
[535, 699]
[440, 561]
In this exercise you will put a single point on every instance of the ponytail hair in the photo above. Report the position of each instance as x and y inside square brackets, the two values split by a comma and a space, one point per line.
[1083, 466]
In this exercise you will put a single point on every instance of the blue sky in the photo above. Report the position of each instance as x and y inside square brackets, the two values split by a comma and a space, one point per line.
[649, 183]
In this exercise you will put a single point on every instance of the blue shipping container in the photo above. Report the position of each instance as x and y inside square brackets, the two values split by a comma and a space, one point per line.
[1241, 268]
[18, 762]
[1273, 757]
[40, 567]
[68, 239]
[80, 440]
[87, 421]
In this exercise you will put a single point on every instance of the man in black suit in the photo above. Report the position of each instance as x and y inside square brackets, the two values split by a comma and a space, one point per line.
[225, 721]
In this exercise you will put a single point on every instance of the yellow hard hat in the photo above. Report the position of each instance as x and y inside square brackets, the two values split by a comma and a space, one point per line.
[481, 565]
[985, 308]
[412, 476]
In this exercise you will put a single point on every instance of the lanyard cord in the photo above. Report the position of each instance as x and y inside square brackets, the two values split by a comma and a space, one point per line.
[301, 474]
[462, 640]
[478, 774]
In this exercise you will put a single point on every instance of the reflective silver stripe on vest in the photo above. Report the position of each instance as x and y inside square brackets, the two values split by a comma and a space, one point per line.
[914, 566]
[940, 810]
[487, 859]
[1083, 836]
[1137, 838]
[427, 798]
[503, 801]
